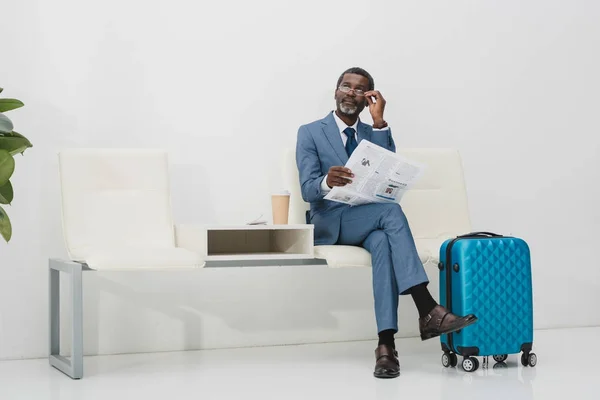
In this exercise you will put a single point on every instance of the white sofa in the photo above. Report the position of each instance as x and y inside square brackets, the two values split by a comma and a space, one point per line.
[117, 216]
[436, 209]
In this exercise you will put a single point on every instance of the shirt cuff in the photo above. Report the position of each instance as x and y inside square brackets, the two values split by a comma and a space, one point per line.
[324, 188]
[387, 128]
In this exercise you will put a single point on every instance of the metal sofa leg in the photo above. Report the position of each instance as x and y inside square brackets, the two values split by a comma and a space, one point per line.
[74, 366]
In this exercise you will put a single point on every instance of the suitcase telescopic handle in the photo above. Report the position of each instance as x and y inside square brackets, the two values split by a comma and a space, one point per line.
[480, 234]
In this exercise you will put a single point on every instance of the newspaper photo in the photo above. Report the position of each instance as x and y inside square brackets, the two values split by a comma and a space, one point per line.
[380, 176]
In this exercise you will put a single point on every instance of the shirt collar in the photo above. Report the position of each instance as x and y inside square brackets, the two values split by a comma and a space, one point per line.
[342, 125]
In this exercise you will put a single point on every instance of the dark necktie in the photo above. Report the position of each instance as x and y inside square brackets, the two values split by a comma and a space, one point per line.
[351, 142]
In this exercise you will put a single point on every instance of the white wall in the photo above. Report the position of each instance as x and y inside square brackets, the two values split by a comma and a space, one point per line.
[224, 86]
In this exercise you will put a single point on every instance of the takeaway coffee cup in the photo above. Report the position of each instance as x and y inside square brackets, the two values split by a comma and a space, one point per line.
[280, 204]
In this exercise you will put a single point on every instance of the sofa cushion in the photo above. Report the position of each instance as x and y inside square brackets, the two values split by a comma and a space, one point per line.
[115, 197]
[339, 256]
[135, 258]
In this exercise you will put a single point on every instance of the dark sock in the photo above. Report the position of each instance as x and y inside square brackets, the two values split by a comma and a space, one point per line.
[423, 300]
[387, 337]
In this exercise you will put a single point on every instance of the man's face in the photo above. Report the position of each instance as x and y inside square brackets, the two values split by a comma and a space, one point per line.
[349, 103]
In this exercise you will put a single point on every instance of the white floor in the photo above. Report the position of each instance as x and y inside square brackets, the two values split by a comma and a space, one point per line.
[568, 368]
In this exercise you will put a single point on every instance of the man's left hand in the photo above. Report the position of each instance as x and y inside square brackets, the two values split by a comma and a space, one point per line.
[376, 108]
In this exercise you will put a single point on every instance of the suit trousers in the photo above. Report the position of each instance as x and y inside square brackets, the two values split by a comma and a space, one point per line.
[383, 230]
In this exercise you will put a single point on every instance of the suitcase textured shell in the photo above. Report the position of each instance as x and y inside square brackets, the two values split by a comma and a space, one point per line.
[491, 278]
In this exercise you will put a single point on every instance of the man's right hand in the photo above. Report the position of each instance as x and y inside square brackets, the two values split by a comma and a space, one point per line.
[339, 176]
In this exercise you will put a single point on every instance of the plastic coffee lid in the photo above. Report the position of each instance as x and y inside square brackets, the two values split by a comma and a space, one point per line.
[281, 193]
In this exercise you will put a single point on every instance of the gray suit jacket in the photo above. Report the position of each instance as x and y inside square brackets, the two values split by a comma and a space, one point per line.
[319, 146]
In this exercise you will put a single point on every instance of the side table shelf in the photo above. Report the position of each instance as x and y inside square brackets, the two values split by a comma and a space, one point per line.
[259, 242]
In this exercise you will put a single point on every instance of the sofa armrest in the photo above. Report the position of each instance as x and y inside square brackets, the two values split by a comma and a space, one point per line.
[192, 238]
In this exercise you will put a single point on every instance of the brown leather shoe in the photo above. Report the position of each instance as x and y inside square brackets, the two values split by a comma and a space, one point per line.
[441, 321]
[386, 364]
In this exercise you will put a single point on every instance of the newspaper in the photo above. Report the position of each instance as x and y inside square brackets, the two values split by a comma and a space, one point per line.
[380, 176]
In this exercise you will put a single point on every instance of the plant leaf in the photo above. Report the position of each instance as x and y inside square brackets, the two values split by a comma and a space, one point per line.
[6, 193]
[5, 226]
[16, 134]
[1, 90]
[6, 126]
[14, 143]
[10, 104]
[7, 166]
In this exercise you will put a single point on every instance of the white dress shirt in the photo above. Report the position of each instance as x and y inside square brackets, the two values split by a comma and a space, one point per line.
[341, 126]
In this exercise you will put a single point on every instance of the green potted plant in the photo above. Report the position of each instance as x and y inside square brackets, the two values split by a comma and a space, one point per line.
[11, 143]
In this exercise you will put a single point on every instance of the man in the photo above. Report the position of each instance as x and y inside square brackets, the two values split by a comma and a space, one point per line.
[323, 148]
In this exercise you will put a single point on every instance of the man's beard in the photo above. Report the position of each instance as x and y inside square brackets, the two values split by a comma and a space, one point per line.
[347, 109]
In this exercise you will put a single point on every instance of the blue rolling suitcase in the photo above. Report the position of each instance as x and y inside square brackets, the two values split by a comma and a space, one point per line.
[487, 275]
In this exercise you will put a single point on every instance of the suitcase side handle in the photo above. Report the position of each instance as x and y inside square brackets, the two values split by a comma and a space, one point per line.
[480, 234]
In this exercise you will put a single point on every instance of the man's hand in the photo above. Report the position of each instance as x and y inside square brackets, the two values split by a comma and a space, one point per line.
[339, 176]
[376, 108]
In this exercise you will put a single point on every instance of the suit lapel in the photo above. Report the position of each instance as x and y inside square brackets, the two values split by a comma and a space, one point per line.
[363, 132]
[332, 134]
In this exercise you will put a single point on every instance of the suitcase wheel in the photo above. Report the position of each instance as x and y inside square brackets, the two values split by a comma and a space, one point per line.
[529, 359]
[500, 357]
[470, 364]
[449, 360]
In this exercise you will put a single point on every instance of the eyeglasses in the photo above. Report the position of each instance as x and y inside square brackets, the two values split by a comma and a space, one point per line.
[347, 89]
